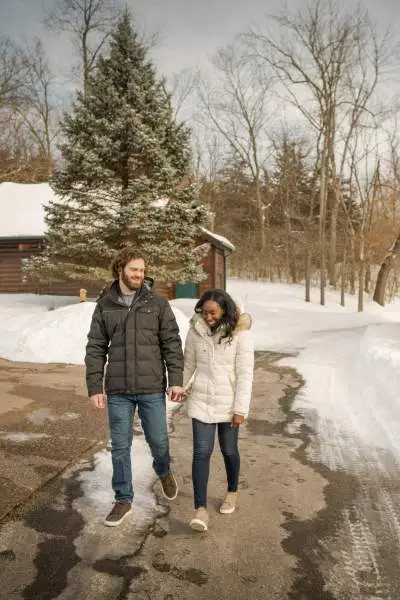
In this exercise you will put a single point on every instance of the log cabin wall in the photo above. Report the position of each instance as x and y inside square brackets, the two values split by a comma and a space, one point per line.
[12, 253]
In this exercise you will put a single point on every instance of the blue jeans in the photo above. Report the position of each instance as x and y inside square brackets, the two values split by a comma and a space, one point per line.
[152, 413]
[203, 446]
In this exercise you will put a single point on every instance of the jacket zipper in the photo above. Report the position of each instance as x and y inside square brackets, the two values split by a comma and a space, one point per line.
[135, 306]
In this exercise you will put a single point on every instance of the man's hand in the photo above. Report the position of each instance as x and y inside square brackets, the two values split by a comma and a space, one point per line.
[176, 394]
[237, 420]
[98, 400]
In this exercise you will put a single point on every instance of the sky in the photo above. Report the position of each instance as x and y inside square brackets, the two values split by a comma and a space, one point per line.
[188, 31]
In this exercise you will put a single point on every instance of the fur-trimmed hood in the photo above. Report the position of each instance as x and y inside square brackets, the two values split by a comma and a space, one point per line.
[199, 325]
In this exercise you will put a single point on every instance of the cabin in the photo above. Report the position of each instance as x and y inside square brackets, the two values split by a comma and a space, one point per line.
[22, 231]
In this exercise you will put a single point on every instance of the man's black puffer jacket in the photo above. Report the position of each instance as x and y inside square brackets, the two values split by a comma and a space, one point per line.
[139, 342]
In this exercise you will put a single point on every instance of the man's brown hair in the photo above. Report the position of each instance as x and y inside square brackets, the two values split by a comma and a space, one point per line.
[122, 258]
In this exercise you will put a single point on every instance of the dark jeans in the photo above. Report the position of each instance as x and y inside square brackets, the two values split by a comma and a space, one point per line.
[203, 446]
[152, 413]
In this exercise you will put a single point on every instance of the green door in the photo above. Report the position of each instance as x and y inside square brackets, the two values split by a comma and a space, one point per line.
[186, 290]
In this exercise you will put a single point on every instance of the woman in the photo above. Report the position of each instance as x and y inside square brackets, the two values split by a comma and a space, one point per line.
[219, 363]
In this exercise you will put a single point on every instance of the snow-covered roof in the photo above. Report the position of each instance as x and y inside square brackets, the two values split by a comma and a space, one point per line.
[220, 239]
[22, 209]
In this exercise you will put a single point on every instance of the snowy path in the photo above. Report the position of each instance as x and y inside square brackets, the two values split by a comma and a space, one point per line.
[350, 404]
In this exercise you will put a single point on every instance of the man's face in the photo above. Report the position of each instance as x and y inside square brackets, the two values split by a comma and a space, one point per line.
[133, 274]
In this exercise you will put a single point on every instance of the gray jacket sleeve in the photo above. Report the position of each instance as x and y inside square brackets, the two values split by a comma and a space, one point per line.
[171, 346]
[96, 353]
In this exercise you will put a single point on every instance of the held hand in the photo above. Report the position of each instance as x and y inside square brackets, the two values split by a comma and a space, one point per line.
[182, 397]
[98, 400]
[176, 394]
[237, 420]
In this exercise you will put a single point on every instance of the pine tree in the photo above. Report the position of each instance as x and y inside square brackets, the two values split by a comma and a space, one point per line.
[124, 176]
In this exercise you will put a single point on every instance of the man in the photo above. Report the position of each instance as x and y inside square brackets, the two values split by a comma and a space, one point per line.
[137, 332]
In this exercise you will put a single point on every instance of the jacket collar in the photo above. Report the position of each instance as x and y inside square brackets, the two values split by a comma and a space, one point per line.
[113, 292]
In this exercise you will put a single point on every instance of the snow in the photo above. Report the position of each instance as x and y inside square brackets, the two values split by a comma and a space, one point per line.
[160, 203]
[49, 329]
[220, 238]
[22, 209]
[350, 362]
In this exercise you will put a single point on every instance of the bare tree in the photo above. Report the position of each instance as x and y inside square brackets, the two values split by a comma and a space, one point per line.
[27, 111]
[90, 22]
[11, 72]
[182, 89]
[236, 108]
[327, 61]
[38, 111]
[393, 252]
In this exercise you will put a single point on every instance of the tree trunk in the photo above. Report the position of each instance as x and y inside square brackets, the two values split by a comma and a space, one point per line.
[322, 218]
[361, 273]
[352, 275]
[343, 274]
[381, 281]
[86, 65]
[307, 268]
[367, 278]
[261, 215]
[333, 243]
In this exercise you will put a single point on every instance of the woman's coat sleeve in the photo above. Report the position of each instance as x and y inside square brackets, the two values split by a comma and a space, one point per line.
[244, 367]
[189, 358]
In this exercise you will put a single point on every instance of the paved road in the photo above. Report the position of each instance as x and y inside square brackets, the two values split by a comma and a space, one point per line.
[288, 539]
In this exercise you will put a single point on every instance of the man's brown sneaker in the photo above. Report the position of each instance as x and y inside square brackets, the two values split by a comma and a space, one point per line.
[169, 486]
[118, 513]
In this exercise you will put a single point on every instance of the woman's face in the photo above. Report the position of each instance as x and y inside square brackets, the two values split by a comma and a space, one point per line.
[211, 312]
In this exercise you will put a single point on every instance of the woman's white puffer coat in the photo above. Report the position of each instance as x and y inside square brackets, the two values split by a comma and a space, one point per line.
[218, 376]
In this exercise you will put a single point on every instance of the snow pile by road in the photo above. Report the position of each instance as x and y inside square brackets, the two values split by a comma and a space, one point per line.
[48, 329]
[350, 362]
[284, 322]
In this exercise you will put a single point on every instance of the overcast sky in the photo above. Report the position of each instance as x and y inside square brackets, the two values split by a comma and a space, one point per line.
[188, 30]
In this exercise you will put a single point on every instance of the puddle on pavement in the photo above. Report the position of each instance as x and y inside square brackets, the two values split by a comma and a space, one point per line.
[40, 416]
[191, 575]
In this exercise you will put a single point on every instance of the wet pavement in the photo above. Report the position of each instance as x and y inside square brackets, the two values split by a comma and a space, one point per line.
[302, 531]
[46, 424]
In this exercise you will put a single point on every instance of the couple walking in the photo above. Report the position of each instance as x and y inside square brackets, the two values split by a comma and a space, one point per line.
[134, 332]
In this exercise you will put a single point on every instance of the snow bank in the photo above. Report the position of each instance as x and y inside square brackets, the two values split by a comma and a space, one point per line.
[284, 322]
[350, 397]
[31, 331]
[185, 305]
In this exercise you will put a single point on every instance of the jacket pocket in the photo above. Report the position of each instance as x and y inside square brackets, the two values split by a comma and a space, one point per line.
[147, 318]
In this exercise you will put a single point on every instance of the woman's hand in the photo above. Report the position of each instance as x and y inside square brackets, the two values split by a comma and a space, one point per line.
[237, 420]
[180, 396]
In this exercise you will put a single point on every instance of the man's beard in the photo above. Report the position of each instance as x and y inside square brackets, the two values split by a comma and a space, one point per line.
[131, 285]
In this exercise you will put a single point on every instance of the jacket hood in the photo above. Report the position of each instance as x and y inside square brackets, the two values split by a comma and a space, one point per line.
[244, 323]
[149, 282]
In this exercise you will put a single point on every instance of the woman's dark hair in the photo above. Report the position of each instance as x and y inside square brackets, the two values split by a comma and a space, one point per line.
[230, 312]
